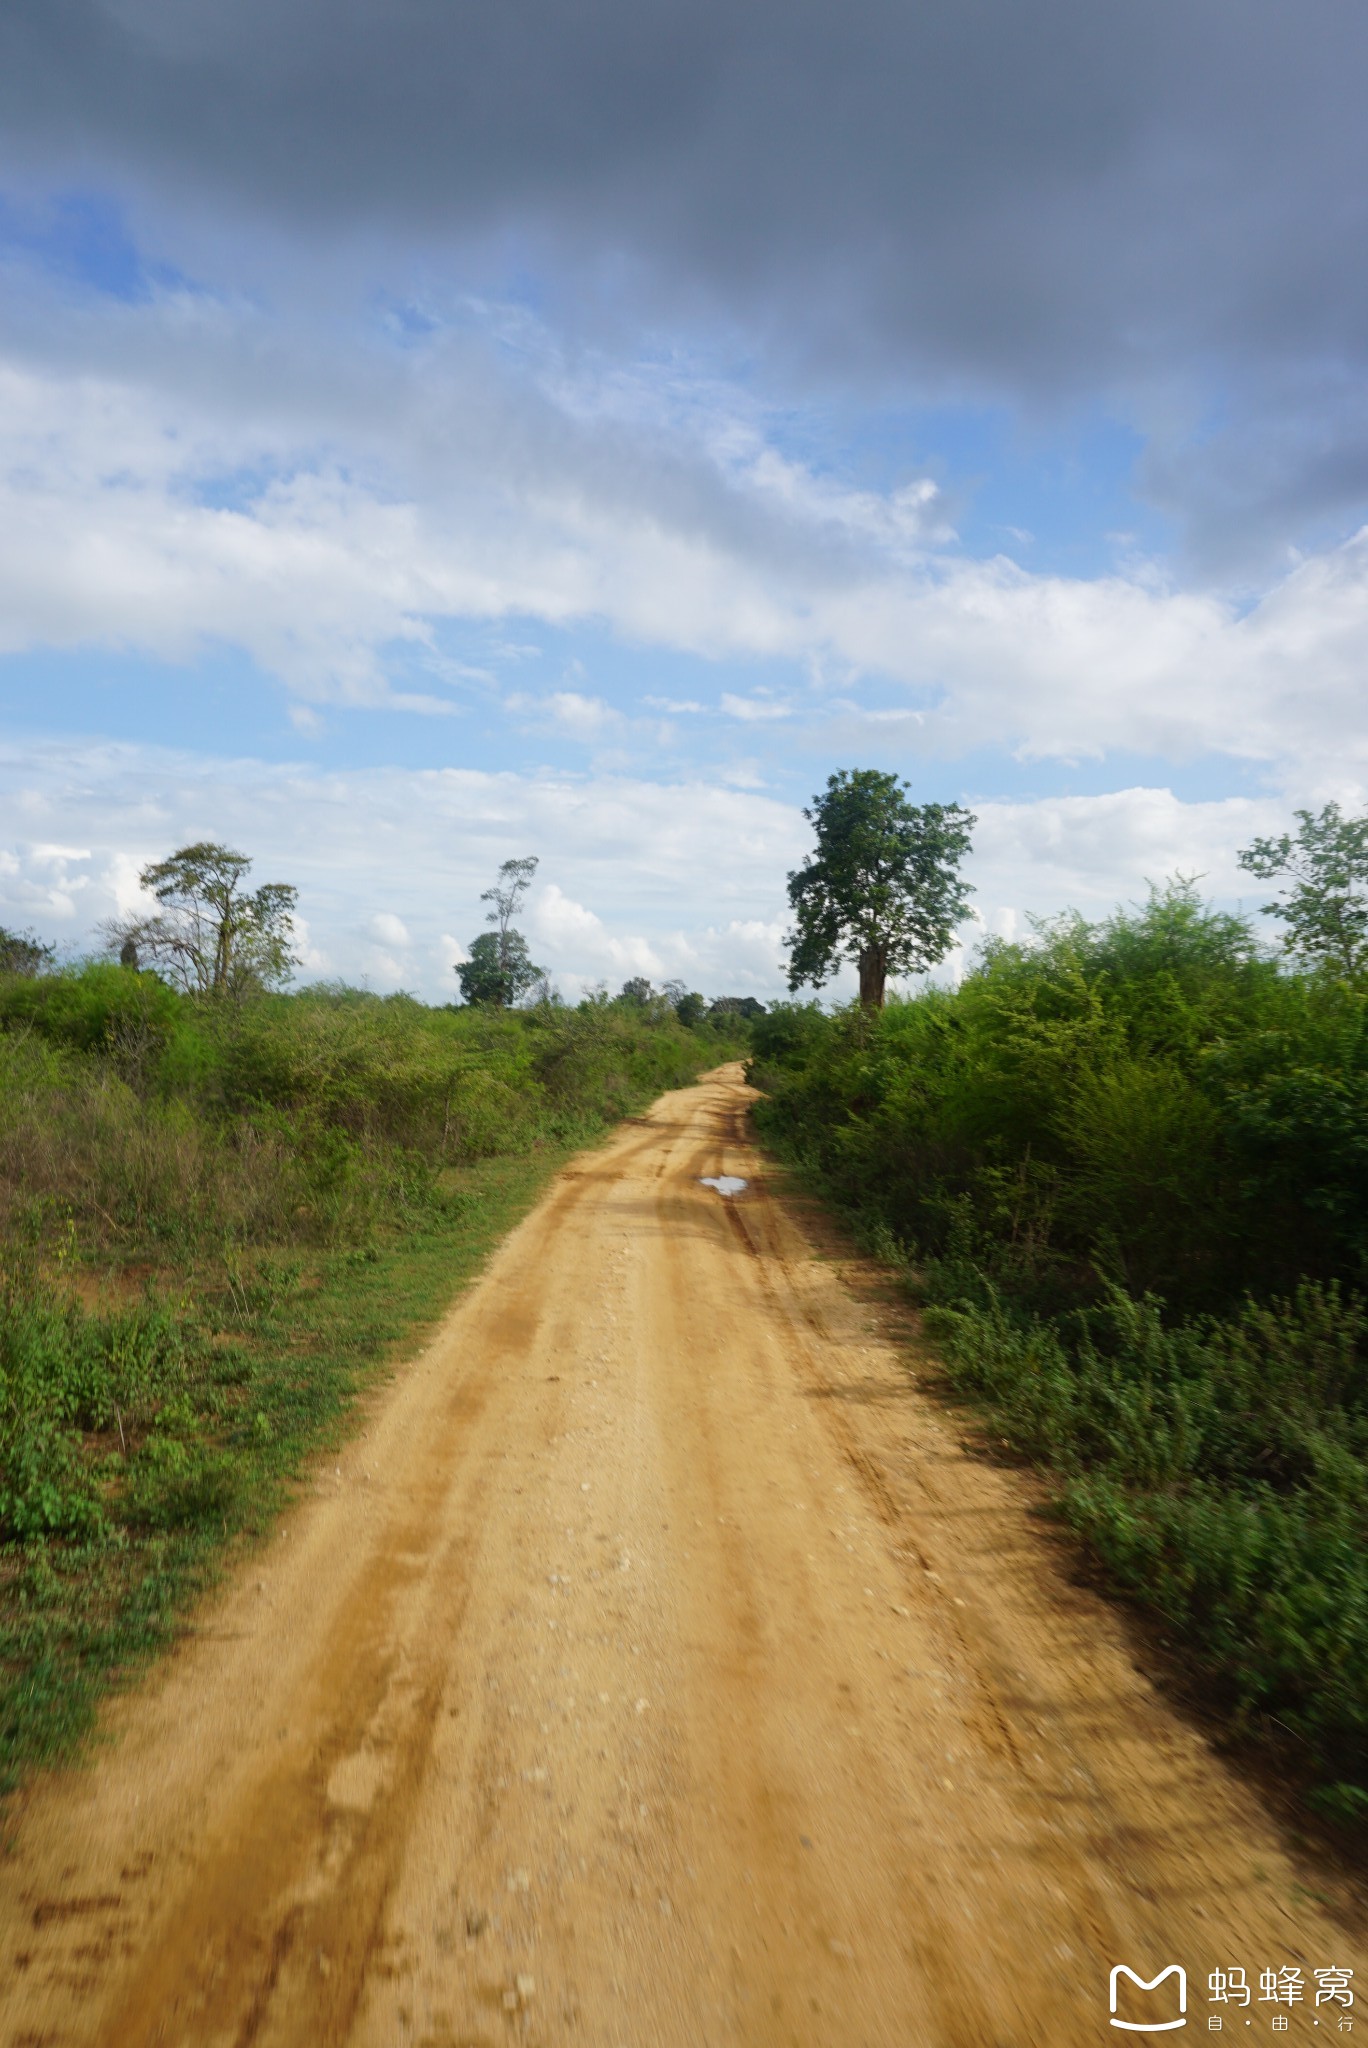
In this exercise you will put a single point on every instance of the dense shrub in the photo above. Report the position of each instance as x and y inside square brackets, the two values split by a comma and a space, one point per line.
[101, 1008]
[157, 1119]
[1128, 1166]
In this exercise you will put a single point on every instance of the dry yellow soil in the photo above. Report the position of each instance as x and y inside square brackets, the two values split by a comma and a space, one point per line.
[655, 1667]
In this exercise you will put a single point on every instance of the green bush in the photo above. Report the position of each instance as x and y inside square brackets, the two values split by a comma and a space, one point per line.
[98, 1008]
[1148, 1100]
[261, 1197]
[67, 1380]
[176, 1125]
[1129, 1167]
[155, 1128]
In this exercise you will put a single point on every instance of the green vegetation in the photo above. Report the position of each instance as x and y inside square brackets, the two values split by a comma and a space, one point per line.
[499, 968]
[219, 1214]
[210, 935]
[1128, 1168]
[1323, 867]
[883, 888]
[24, 953]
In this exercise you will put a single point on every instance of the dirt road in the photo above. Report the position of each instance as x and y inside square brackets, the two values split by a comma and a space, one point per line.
[655, 1668]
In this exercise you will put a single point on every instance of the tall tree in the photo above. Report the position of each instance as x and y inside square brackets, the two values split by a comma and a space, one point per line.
[1324, 906]
[883, 888]
[500, 968]
[212, 936]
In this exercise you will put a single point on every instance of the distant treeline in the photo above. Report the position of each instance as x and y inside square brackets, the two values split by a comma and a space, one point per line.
[1127, 1168]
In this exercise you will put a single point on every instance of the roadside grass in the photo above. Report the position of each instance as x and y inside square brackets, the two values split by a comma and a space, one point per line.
[1324, 1836]
[1124, 1173]
[244, 1379]
[218, 1222]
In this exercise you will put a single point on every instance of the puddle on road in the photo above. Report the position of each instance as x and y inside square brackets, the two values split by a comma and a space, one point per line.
[725, 1183]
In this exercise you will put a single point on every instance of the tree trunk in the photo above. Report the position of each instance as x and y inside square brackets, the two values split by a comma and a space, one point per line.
[873, 974]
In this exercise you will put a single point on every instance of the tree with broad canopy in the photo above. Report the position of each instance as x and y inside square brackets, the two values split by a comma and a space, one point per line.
[1325, 905]
[211, 936]
[883, 888]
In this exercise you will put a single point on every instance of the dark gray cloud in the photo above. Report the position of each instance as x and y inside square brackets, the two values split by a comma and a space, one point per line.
[1290, 468]
[1163, 201]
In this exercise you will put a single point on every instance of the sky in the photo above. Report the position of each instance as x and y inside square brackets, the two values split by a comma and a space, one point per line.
[434, 435]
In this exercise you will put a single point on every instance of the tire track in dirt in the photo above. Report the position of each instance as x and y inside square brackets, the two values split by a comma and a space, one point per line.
[654, 1668]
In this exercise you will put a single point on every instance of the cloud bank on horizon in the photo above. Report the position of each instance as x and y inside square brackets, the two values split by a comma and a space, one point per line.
[577, 431]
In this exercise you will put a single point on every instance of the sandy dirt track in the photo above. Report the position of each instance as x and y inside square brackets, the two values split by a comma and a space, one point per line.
[654, 1668]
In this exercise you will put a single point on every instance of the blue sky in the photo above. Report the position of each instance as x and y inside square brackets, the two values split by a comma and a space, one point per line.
[594, 454]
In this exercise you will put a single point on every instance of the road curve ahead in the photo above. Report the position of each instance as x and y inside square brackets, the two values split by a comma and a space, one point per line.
[653, 1671]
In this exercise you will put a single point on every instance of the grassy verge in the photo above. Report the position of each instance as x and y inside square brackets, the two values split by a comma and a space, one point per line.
[194, 1415]
[1123, 1172]
[217, 1222]
[1211, 1471]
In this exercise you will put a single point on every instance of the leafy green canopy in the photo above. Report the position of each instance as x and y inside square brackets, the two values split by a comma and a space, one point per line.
[211, 936]
[500, 969]
[1325, 905]
[883, 888]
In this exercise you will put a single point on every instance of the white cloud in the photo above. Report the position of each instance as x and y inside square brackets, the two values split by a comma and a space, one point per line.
[388, 929]
[903, 521]
[121, 879]
[46, 881]
[575, 934]
[584, 716]
[313, 961]
[157, 496]
[630, 870]
[567, 711]
[381, 968]
[1090, 853]
[636, 877]
[752, 710]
